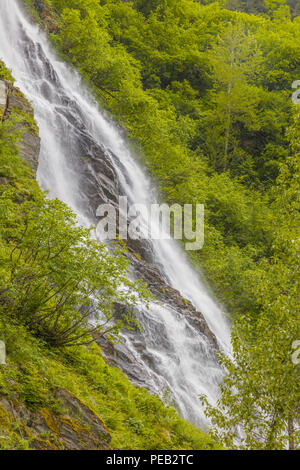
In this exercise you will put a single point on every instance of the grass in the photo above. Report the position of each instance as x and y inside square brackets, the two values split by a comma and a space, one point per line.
[134, 418]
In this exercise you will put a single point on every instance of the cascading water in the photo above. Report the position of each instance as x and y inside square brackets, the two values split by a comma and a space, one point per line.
[179, 358]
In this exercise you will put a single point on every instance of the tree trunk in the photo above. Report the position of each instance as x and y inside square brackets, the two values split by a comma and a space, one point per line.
[227, 135]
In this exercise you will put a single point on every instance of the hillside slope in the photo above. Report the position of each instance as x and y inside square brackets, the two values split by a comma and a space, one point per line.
[63, 397]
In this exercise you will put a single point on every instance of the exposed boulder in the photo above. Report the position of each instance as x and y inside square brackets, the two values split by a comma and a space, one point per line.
[77, 428]
[13, 101]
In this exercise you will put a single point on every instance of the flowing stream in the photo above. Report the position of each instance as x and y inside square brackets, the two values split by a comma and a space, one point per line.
[181, 360]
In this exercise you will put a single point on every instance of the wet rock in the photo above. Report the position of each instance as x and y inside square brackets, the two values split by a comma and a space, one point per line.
[4, 86]
[142, 248]
[13, 101]
[77, 428]
[96, 169]
[118, 355]
[30, 148]
[167, 295]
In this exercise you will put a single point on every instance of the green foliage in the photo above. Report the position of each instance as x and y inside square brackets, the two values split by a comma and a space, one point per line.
[204, 93]
[5, 73]
[51, 267]
[259, 404]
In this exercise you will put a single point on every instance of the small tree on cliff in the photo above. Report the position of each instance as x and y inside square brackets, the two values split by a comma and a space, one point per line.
[54, 277]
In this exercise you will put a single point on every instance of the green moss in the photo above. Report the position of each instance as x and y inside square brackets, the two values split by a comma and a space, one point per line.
[4, 417]
[5, 73]
[48, 417]
[28, 120]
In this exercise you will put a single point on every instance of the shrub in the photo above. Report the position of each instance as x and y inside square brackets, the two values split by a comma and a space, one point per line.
[55, 276]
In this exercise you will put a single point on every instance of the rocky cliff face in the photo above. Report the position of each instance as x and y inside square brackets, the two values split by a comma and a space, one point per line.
[99, 184]
[13, 102]
[76, 428]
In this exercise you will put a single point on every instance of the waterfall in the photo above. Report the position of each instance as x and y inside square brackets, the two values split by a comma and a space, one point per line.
[176, 357]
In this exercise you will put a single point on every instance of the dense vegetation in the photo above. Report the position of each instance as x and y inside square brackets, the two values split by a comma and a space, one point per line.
[204, 92]
[205, 95]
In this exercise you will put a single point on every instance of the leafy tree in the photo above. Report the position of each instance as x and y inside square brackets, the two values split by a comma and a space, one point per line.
[57, 279]
[236, 59]
[260, 397]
